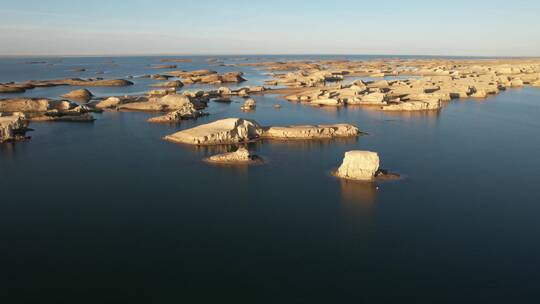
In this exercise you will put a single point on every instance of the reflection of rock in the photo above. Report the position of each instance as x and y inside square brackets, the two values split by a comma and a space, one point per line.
[13, 127]
[234, 130]
[240, 156]
[187, 111]
[79, 95]
[355, 192]
[359, 165]
[225, 131]
[249, 105]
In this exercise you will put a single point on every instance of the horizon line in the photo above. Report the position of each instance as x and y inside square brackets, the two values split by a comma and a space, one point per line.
[251, 54]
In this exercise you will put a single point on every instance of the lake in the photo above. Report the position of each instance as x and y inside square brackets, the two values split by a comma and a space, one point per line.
[109, 209]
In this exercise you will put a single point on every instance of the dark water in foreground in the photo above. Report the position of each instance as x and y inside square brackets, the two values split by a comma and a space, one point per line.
[110, 211]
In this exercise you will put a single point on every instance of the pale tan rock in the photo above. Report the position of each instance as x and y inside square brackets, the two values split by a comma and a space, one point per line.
[327, 102]
[169, 102]
[29, 105]
[79, 95]
[479, 93]
[310, 131]
[187, 111]
[372, 99]
[12, 127]
[359, 165]
[516, 83]
[224, 91]
[414, 106]
[249, 105]
[225, 131]
[110, 102]
[240, 156]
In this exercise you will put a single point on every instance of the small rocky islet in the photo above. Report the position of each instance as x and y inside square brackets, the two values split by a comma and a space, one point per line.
[323, 83]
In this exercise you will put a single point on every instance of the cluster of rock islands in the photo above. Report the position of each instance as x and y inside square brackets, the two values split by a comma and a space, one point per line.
[422, 85]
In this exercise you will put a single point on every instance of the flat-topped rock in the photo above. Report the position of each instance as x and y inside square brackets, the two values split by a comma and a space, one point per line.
[236, 130]
[414, 106]
[30, 105]
[169, 102]
[240, 156]
[311, 131]
[169, 84]
[326, 102]
[225, 131]
[11, 89]
[359, 165]
[12, 127]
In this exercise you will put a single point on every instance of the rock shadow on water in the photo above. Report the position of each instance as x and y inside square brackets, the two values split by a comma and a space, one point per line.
[310, 144]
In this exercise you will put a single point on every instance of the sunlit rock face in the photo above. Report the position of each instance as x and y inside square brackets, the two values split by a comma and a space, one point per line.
[225, 131]
[236, 130]
[187, 111]
[359, 165]
[12, 126]
[240, 156]
[311, 131]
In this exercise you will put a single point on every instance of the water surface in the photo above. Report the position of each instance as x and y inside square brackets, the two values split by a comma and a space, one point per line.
[111, 210]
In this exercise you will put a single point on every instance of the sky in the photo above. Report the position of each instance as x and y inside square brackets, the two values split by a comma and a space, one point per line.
[412, 27]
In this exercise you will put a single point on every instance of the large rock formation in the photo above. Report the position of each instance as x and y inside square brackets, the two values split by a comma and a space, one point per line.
[12, 127]
[235, 130]
[359, 165]
[225, 131]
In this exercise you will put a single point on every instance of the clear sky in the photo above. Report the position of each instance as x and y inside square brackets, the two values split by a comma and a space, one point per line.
[95, 27]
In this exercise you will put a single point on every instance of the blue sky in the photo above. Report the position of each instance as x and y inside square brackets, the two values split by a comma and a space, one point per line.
[452, 27]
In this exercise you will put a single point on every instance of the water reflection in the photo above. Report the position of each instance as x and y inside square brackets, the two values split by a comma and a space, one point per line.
[358, 201]
[311, 144]
[404, 115]
[358, 193]
[218, 149]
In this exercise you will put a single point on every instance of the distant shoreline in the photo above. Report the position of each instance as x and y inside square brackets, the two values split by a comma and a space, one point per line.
[7, 56]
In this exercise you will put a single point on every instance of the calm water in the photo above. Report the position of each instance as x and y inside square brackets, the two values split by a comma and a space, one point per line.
[110, 211]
